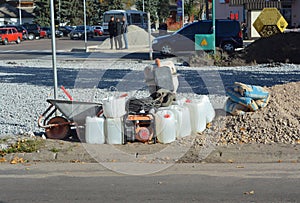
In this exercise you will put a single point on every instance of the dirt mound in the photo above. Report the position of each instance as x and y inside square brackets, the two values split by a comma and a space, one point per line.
[282, 48]
[279, 122]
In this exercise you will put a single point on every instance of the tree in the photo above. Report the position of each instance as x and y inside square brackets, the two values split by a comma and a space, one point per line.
[163, 9]
[115, 4]
[42, 12]
[193, 8]
[151, 6]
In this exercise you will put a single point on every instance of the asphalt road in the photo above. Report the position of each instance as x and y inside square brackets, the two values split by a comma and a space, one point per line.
[66, 182]
[43, 47]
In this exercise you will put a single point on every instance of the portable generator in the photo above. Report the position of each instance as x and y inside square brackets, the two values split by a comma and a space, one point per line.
[139, 127]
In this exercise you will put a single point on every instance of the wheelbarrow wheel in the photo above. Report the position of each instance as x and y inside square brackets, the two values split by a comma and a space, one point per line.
[60, 131]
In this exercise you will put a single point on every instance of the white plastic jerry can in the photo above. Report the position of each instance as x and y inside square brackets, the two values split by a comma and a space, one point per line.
[198, 114]
[114, 131]
[210, 111]
[165, 126]
[183, 121]
[94, 130]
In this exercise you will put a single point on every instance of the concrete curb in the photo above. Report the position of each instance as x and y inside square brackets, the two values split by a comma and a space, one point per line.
[251, 153]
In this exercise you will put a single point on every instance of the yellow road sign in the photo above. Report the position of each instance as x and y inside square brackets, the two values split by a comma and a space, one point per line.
[270, 22]
[204, 42]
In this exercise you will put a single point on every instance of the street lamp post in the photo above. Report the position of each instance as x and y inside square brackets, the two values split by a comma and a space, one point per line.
[20, 13]
[182, 13]
[53, 48]
[84, 21]
[143, 6]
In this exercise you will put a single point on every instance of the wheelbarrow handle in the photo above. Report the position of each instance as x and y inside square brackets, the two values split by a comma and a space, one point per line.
[45, 116]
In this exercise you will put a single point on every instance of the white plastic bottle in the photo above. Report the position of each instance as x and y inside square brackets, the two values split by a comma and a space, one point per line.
[94, 130]
[165, 126]
[114, 131]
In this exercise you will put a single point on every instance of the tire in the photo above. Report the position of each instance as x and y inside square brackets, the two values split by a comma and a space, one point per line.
[31, 36]
[18, 40]
[166, 49]
[5, 41]
[61, 131]
[228, 47]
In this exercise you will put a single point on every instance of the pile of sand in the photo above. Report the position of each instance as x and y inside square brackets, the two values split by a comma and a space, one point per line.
[137, 37]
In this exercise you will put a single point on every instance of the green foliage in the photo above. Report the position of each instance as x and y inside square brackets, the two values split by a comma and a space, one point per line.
[42, 12]
[68, 11]
[23, 145]
[54, 150]
[163, 10]
[150, 6]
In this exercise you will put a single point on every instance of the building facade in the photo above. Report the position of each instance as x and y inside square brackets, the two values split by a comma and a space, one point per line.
[16, 11]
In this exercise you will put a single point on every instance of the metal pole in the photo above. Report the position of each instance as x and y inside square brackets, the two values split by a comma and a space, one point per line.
[20, 13]
[84, 20]
[214, 24]
[143, 6]
[53, 48]
[149, 34]
[182, 13]
[59, 5]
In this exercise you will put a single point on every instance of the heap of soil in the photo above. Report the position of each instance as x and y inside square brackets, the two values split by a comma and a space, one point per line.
[282, 48]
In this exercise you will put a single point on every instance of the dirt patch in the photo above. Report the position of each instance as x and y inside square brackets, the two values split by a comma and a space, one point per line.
[281, 48]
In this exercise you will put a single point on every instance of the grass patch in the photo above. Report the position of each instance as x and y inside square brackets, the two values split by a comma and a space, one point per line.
[54, 150]
[23, 146]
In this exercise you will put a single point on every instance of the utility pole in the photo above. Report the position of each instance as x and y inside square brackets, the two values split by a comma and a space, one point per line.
[20, 13]
[182, 13]
[53, 48]
[84, 20]
[143, 5]
[206, 10]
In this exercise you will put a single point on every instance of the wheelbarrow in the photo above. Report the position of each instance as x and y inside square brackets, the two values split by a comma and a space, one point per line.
[73, 116]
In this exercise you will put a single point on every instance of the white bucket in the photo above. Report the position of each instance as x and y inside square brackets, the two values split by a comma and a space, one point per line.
[165, 126]
[198, 114]
[114, 131]
[182, 116]
[94, 130]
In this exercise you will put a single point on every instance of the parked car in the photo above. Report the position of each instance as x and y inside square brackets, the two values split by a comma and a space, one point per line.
[33, 31]
[66, 30]
[78, 32]
[43, 33]
[10, 34]
[49, 33]
[228, 37]
[98, 30]
[20, 29]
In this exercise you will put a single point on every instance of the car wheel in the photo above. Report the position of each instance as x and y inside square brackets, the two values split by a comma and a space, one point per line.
[31, 36]
[166, 49]
[5, 41]
[228, 47]
[18, 40]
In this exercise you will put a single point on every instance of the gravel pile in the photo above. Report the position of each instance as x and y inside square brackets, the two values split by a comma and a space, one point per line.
[279, 122]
